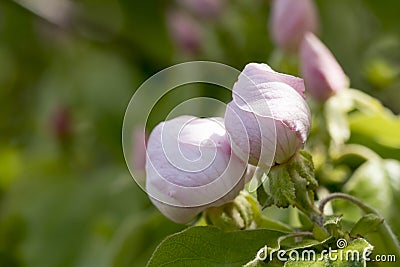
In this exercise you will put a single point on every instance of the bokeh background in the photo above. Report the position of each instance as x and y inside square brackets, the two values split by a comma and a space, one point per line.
[67, 72]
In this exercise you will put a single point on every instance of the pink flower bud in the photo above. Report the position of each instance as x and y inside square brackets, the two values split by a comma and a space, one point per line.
[268, 119]
[190, 166]
[61, 123]
[185, 32]
[204, 8]
[322, 74]
[290, 20]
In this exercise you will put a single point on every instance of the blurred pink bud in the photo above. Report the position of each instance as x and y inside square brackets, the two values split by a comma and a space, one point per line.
[290, 20]
[204, 8]
[322, 74]
[139, 148]
[268, 119]
[190, 166]
[185, 32]
[61, 123]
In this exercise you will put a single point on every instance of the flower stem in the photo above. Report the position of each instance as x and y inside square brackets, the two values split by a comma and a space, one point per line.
[355, 149]
[359, 203]
[385, 232]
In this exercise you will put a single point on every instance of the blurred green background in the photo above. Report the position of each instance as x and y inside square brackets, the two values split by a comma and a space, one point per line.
[67, 72]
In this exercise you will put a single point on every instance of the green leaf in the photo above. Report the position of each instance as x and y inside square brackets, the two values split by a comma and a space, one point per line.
[271, 224]
[319, 232]
[305, 263]
[304, 166]
[292, 184]
[281, 187]
[345, 257]
[260, 220]
[301, 171]
[372, 118]
[209, 246]
[370, 183]
[382, 129]
[287, 244]
[365, 102]
[336, 109]
[367, 223]
[311, 244]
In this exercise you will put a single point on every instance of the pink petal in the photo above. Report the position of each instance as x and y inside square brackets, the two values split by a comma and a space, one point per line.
[290, 20]
[322, 73]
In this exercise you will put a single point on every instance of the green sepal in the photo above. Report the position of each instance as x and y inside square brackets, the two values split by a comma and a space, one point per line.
[368, 223]
[244, 212]
[239, 214]
[281, 189]
[333, 224]
[292, 183]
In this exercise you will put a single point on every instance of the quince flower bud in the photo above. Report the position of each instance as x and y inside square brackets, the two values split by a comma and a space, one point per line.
[190, 167]
[322, 74]
[185, 32]
[268, 119]
[290, 20]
